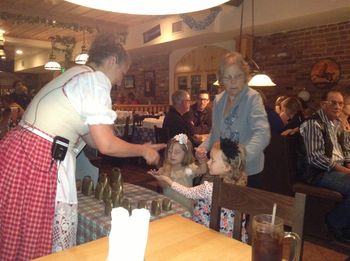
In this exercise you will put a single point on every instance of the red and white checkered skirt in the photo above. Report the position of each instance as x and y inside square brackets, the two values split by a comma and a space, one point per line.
[27, 196]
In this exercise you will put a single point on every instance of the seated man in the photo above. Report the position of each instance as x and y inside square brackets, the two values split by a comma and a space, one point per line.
[200, 114]
[329, 159]
[174, 120]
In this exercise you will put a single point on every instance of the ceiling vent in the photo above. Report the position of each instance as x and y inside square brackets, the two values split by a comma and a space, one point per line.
[177, 27]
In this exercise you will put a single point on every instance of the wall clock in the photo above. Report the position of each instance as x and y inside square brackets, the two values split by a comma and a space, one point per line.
[325, 73]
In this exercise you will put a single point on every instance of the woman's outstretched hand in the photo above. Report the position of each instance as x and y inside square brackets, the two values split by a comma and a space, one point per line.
[150, 153]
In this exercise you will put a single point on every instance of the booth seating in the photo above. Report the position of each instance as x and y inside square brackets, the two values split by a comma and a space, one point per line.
[280, 176]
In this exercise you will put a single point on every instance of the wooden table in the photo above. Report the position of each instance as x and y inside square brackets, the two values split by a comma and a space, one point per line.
[169, 238]
[94, 224]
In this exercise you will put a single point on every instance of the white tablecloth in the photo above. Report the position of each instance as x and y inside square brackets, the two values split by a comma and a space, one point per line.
[150, 122]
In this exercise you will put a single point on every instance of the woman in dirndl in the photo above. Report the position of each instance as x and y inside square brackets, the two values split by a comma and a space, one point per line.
[38, 198]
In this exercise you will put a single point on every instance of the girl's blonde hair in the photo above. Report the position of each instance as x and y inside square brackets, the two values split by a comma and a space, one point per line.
[188, 157]
[236, 164]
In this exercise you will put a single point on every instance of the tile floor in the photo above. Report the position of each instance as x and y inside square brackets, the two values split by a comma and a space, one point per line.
[136, 174]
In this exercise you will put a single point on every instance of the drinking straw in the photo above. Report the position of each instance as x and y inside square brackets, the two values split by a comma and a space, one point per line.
[273, 213]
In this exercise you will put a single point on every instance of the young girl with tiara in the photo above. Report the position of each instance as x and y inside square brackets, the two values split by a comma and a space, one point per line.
[179, 167]
[226, 161]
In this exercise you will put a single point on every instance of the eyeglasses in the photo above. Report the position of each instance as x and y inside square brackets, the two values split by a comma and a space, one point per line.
[203, 99]
[236, 77]
[334, 103]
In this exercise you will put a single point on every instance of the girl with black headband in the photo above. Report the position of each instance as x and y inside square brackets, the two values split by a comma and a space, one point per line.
[227, 160]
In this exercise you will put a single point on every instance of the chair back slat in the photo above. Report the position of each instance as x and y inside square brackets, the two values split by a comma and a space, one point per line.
[254, 201]
[237, 225]
[126, 135]
[161, 134]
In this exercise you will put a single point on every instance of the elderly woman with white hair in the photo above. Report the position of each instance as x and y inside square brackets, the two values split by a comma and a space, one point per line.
[239, 113]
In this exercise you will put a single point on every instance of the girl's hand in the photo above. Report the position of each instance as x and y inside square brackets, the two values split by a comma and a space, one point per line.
[160, 177]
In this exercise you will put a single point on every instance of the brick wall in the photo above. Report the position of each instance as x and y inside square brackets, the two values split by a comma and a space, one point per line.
[160, 65]
[288, 58]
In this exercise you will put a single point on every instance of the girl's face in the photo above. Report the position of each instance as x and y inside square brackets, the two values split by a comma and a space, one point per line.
[233, 80]
[176, 154]
[216, 164]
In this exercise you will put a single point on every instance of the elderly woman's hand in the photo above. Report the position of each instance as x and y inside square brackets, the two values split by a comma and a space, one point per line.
[150, 152]
[201, 154]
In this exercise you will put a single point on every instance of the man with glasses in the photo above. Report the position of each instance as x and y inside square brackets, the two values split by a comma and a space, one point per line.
[328, 158]
[200, 114]
[174, 121]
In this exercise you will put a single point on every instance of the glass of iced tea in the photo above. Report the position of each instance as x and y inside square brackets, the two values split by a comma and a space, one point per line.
[267, 240]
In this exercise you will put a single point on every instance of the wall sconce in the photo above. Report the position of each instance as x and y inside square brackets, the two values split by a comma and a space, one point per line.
[83, 56]
[52, 64]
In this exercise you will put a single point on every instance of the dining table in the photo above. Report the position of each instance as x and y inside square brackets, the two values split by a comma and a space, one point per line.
[93, 223]
[171, 238]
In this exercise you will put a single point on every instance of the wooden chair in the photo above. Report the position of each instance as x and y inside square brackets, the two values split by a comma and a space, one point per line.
[161, 134]
[126, 136]
[280, 175]
[5, 122]
[252, 202]
[94, 156]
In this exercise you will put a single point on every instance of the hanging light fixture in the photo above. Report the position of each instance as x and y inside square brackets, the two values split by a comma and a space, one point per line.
[83, 56]
[52, 65]
[2, 43]
[259, 79]
[150, 7]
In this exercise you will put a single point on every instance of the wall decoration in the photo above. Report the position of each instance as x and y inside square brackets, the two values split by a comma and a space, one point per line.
[182, 83]
[38, 20]
[151, 34]
[325, 73]
[26, 19]
[68, 43]
[201, 25]
[129, 81]
[150, 84]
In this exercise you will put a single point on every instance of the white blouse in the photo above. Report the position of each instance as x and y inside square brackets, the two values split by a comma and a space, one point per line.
[89, 94]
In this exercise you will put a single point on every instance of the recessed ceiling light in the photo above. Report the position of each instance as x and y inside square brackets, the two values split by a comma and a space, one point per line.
[19, 51]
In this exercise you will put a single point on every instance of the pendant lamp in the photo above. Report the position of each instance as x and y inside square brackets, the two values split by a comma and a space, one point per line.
[260, 79]
[2, 43]
[52, 64]
[150, 7]
[83, 56]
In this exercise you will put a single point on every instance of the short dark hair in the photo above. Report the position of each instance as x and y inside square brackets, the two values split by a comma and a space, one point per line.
[203, 92]
[105, 45]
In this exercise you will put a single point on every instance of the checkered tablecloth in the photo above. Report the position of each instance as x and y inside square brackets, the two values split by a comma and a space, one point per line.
[93, 223]
[141, 135]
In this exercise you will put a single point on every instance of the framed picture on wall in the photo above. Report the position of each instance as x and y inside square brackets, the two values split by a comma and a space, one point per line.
[150, 84]
[325, 73]
[182, 83]
[129, 81]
